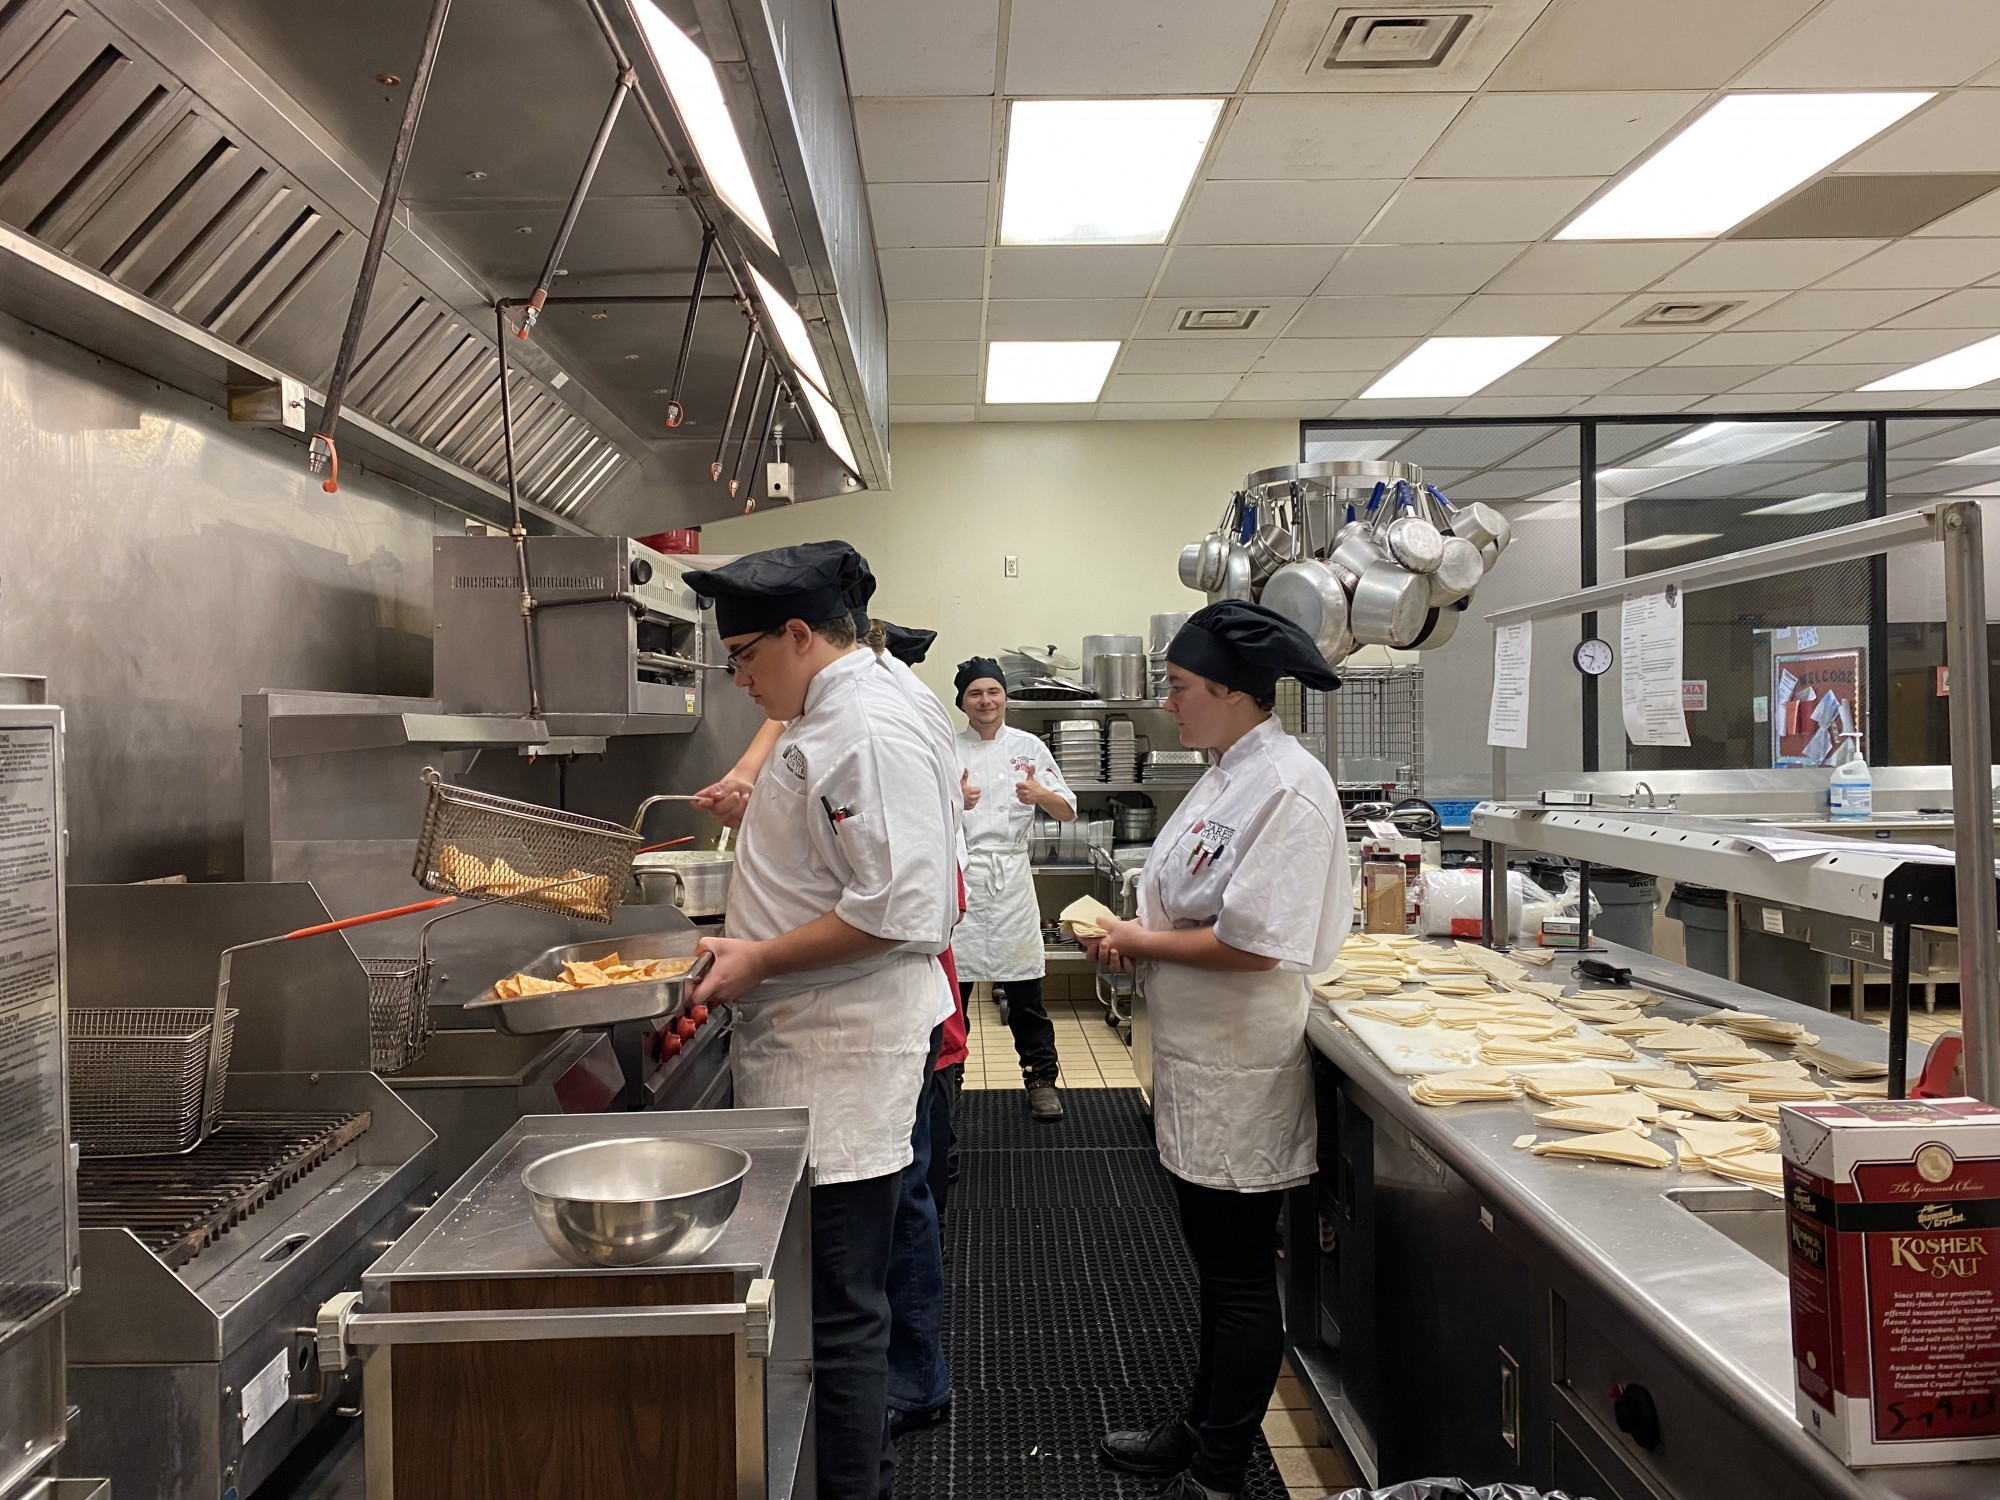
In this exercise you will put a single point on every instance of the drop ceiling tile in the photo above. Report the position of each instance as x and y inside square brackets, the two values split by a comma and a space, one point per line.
[1633, 404]
[1456, 211]
[1493, 313]
[1155, 411]
[1123, 387]
[1158, 320]
[1817, 378]
[1900, 346]
[930, 414]
[1594, 267]
[1188, 357]
[1975, 309]
[1045, 271]
[1764, 265]
[1739, 401]
[932, 390]
[1921, 263]
[1686, 380]
[1109, 318]
[1753, 348]
[1094, 47]
[1882, 44]
[1404, 270]
[1555, 135]
[1838, 311]
[1333, 135]
[1738, 305]
[928, 214]
[1978, 219]
[925, 140]
[1609, 351]
[1509, 483]
[1293, 60]
[1322, 385]
[1691, 44]
[1558, 381]
[1370, 317]
[1262, 411]
[1396, 411]
[1233, 271]
[934, 357]
[934, 320]
[1487, 405]
[1958, 133]
[1297, 354]
[1308, 212]
[1860, 401]
[1082, 411]
[933, 275]
[919, 46]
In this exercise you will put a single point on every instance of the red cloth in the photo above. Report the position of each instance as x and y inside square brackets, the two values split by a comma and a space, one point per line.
[952, 1050]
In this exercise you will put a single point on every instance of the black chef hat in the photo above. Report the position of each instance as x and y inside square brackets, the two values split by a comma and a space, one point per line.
[1248, 647]
[971, 671]
[814, 581]
[908, 646]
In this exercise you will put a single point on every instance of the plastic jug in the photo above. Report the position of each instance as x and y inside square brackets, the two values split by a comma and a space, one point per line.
[1851, 793]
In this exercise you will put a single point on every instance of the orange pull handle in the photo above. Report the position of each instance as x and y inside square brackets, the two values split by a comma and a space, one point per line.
[373, 916]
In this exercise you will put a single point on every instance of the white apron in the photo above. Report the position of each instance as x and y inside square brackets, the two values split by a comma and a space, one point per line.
[1000, 937]
[1232, 1081]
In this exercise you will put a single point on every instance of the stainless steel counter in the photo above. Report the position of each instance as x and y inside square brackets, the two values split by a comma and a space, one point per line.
[1612, 1244]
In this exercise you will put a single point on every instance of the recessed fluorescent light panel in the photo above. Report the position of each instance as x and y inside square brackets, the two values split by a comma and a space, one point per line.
[1747, 151]
[1100, 171]
[1810, 505]
[697, 96]
[1975, 364]
[1063, 371]
[1455, 366]
[1669, 542]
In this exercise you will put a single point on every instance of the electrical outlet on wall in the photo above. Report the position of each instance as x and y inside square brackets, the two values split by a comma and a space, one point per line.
[1012, 565]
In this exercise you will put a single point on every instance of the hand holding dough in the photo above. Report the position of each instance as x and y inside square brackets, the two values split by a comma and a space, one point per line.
[1086, 916]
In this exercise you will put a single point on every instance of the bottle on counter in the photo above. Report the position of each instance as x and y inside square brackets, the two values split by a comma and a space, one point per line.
[1851, 793]
[1384, 896]
[1411, 853]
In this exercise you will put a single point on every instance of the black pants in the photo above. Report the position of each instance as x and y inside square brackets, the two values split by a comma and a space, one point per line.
[944, 1134]
[1232, 1238]
[1034, 1032]
[851, 1235]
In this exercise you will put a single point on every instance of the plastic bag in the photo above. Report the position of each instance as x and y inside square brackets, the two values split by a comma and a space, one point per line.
[1571, 886]
[1450, 894]
[1452, 1489]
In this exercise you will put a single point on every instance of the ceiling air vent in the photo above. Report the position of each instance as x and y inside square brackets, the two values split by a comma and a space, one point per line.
[1682, 314]
[1216, 319]
[1374, 39]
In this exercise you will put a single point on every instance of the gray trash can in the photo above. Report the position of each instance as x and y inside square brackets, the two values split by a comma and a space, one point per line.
[1628, 898]
[1703, 913]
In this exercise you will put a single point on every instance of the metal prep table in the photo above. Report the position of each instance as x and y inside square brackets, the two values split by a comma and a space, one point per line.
[1460, 1306]
[491, 1363]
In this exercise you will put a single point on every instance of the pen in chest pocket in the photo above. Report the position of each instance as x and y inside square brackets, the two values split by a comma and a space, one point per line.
[835, 815]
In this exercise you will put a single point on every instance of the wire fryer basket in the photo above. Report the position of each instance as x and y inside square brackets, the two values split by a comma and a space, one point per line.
[399, 1012]
[137, 1078]
[477, 844]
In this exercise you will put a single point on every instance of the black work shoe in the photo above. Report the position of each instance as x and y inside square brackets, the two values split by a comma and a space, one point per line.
[1163, 1452]
[1044, 1103]
[902, 1422]
[1184, 1486]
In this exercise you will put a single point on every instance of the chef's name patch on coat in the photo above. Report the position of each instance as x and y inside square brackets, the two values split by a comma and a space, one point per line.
[1210, 839]
[795, 761]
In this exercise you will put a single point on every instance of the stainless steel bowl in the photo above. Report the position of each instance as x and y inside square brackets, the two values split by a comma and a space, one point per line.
[632, 1201]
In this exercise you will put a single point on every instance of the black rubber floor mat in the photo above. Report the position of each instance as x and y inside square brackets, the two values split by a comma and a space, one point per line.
[1070, 1305]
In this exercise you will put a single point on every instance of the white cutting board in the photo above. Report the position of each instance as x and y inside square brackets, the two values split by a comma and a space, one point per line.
[1414, 1051]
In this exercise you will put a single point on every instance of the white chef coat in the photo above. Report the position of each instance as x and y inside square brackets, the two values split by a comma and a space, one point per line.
[849, 1040]
[1001, 936]
[1257, 850]
[938, 722]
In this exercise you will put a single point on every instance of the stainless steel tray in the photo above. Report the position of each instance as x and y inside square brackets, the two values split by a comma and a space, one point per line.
[606, 1005]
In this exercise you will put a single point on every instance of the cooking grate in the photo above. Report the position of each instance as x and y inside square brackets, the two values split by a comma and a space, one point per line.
[180, 1205]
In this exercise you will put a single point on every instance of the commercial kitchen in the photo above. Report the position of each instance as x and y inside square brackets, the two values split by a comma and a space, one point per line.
[470, 467]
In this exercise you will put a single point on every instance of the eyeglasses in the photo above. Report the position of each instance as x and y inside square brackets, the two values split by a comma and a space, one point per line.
[740, 657]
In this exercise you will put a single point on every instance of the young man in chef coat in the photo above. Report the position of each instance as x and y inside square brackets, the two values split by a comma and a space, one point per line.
[1009, 777]
[840, 904]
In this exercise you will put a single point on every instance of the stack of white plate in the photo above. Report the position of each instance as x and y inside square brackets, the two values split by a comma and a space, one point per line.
[1121, 751]
[1079, 749]
[1174, 765]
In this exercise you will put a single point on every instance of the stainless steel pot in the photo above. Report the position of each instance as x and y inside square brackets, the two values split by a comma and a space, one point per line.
[1503, 529]
[1440, 625]
[694, 880]
[1236, 578]
[1190, 565]
[1272, 548]
[1409, 537]
[1309, 594]
[1459, 569]
[1119, 674]
[1388, 606]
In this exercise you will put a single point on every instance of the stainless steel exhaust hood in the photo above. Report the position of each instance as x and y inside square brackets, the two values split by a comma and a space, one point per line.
[217, 158]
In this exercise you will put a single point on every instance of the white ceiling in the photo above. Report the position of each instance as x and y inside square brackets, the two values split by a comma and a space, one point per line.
[1366, 215]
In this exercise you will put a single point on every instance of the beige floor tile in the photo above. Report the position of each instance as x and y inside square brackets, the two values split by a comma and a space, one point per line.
[1314, 1471]
[1292, 1427]
[1290, 1395]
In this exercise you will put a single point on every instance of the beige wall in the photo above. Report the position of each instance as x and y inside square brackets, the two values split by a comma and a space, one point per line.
[1097, 512]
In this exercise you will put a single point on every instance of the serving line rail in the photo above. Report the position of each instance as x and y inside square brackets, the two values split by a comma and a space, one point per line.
[1479, 1304]
[1957, 528]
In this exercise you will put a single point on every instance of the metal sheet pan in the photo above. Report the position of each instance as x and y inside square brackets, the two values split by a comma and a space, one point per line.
[605, 1005]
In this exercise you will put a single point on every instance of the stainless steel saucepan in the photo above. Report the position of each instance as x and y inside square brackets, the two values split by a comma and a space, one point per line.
[1408, 535]
[1387, 605]
[1309, 594]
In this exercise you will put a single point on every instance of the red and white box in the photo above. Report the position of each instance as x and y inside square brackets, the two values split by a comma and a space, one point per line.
[1892, 1214]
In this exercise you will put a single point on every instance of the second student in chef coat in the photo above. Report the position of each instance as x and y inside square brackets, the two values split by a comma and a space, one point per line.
[1246, 893]
[1009, 776]
[842, 899]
